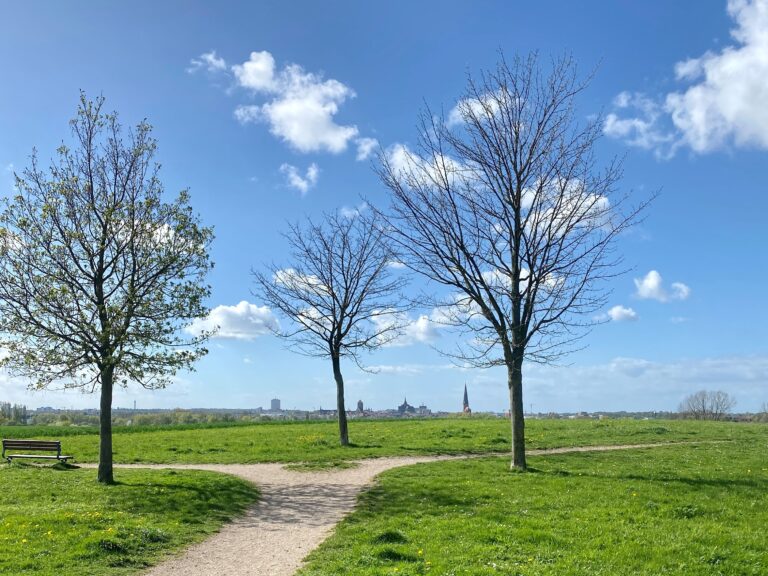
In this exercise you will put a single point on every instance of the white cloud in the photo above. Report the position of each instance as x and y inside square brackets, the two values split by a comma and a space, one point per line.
[365, 147]
[680, 291]
[723, 106]
[257, 73]
[651, 287]
[399, 156]
[405, 164]
[300, 106]
[398, 368]
[619, 313]
[353, 212]
[244, 321]
[299, 182]
[414, 368]
[396, 264]
[479, 107]
[727, 104]
[421, 330]
[207, 61]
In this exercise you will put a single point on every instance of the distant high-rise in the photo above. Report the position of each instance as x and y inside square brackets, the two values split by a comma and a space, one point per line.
[360, 407]
[275, 405]
[467, 409]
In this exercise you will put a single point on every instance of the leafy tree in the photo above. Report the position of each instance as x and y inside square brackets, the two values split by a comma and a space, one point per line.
[97, 273]
[13, 413]
[338, 294]
[503, 205]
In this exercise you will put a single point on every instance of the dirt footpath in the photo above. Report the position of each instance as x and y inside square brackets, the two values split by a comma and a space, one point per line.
[296, 512]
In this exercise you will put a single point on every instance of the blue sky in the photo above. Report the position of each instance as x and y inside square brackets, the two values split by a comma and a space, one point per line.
[263, 109]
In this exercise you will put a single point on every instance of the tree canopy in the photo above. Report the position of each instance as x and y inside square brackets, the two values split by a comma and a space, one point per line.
[98, 274]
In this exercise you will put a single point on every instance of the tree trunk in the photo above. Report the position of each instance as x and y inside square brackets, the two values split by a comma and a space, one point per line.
[515, 382]
[105, 474]
[340, 406]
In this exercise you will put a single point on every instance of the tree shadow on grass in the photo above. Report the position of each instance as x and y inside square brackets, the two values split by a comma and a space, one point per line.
[695, 482]
[43, 465]
[194, 502]
[305, 504]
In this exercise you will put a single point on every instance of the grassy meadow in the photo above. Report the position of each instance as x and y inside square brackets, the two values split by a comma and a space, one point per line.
[676, 510]
[682, 509]
[318, 441]
[58, 520]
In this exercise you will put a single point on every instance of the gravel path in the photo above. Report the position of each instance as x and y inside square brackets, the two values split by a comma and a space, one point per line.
[296, 512]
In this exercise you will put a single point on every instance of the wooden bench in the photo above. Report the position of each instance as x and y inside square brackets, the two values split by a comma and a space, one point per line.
[34, 445]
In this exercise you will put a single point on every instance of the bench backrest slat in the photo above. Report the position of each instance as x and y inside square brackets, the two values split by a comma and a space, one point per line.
[49, 445]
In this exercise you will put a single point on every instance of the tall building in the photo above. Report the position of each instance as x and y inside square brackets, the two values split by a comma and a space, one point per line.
[360, 408]
[467, 409]
[274, 405]
[406, 408]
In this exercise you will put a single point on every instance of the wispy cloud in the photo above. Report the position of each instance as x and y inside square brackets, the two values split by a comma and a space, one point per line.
[295, 180]
[365, 147]
[353, 211]
[207, 61]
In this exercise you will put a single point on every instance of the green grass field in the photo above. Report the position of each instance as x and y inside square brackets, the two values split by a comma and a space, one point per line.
[58, 520]
[685, 509]
[318, 441]
[682, 510]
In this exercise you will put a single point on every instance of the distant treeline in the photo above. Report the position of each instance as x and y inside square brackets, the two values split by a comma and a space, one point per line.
[164, 418]
[13, 413]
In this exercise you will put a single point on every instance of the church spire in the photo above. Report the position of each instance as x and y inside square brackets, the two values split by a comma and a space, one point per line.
[466, 409]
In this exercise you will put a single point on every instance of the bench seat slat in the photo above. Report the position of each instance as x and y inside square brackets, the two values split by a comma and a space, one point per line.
[38, 456]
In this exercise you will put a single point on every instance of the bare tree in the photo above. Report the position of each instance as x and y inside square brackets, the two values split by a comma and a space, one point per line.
[707, 405]
[98, 274]
[338, 294]
[762, 416]
[502, 204]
